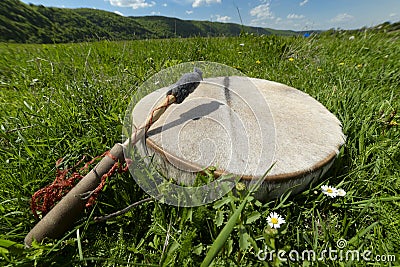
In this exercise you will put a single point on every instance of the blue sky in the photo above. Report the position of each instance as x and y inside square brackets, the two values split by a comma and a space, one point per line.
[276, 14]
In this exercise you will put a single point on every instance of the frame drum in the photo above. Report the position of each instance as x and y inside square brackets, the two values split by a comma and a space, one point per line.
[242, 126]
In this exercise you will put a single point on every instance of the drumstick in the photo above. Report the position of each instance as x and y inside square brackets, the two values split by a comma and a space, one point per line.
[62, 216]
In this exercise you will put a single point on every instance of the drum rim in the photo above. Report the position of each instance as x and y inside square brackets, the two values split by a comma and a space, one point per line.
[269, 178]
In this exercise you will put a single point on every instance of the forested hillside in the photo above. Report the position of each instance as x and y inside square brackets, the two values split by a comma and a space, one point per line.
[24, 23]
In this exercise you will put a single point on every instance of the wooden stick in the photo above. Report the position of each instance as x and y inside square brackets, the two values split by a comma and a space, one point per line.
[62, 216]
[154, 116]
[123, 211]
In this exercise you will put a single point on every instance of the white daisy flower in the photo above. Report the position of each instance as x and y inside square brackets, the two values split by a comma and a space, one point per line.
[329, 190]
[275, 220]
[340, 192]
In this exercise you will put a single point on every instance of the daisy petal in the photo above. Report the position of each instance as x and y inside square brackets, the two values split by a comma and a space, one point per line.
[275, 220]
[329, 190]
[340, 192]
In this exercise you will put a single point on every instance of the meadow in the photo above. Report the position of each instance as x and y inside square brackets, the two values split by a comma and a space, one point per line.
[68, 100]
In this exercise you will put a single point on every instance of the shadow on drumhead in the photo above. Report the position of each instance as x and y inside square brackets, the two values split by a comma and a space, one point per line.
[192, 114]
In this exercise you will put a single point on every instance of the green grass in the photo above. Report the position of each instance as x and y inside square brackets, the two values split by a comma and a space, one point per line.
[69, 100]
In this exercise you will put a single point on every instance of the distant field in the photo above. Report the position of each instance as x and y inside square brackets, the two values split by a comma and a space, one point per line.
[68, 100]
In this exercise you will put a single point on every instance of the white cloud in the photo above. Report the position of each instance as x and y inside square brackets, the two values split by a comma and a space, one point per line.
[118, 13]
[220, 18]
[197, 3]
[165, 5]
[290, 24]
[295, 16]
[392, 15]
[262, 12]
[344, 17]
[302, 3]
[189, 12]
[135, 4]
[154, 13]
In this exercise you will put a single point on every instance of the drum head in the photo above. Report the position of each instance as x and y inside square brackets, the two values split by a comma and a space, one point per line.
[243, 131]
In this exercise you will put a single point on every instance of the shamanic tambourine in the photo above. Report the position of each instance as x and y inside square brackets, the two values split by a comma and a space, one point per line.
[243, 131]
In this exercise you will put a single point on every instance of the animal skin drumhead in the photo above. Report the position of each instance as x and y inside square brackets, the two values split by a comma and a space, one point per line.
[223, 124]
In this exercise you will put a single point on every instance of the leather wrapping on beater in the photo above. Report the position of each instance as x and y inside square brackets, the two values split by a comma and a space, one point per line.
[186, 85]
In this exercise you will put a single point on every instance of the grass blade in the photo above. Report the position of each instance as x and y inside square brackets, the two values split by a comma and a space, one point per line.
[223, 236]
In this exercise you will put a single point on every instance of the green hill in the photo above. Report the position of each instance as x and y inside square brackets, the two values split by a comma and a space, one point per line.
[24, 23]
[172, 27]
[38, 24]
